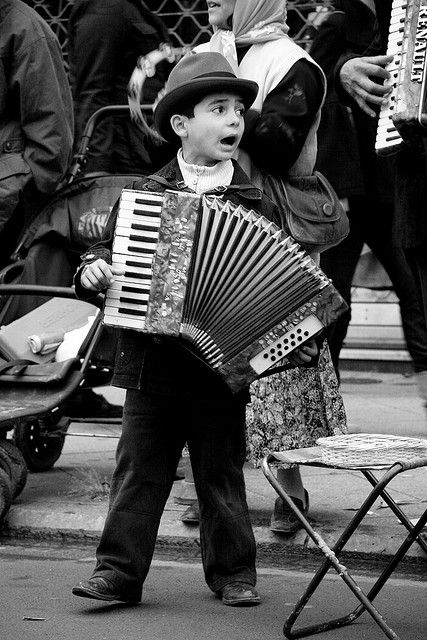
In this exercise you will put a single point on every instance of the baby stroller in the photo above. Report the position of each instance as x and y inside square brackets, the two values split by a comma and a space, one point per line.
[32, 396]
[43, 266]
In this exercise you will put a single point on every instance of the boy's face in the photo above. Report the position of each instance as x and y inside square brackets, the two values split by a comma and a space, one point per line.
[215, 131]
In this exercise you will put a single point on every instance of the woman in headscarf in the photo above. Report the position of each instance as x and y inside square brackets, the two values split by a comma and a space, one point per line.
[280, 132]
[290, 409]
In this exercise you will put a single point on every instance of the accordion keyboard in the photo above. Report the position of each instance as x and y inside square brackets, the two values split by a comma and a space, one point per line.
[135, 241]
[402, 118]
[388, 138]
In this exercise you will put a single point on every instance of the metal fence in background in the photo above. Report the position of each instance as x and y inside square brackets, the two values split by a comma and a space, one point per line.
[186, 20]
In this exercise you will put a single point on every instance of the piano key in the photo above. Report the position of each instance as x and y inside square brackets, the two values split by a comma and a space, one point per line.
[131, 296]
[116, 319]
[136, 264]
[134, 233]
[130, 209]
[115, 306]
[134, 195]
[122, 244]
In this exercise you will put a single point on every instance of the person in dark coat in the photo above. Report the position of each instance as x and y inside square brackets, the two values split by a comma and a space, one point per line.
[106, 37]
[36, 120]
[350, 162]
[360, 79]
[172, 397]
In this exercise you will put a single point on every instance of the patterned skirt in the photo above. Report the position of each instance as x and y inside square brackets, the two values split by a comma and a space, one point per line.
[291, 409]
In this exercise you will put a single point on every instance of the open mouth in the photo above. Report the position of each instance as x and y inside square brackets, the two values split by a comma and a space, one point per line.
[229, 141]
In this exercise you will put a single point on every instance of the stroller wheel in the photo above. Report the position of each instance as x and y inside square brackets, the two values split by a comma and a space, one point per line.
[41, 440]
[13, 462]
[5, 494]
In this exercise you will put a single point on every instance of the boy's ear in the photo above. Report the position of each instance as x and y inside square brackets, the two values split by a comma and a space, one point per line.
[179, 125]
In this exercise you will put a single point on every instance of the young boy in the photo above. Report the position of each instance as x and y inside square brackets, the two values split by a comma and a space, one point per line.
[172, 398]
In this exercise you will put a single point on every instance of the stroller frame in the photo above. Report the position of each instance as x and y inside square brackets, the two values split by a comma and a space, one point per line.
[35, 415]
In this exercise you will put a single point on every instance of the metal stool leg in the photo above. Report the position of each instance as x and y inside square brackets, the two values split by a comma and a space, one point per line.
[400, 515]
[332, 560]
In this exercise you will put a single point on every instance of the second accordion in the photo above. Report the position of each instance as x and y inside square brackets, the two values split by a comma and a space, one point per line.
[224, 279]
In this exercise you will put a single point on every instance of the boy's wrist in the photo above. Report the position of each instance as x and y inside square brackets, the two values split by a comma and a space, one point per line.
[94, 254]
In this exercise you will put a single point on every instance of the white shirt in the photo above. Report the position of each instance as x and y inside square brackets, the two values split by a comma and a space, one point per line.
[201, 179]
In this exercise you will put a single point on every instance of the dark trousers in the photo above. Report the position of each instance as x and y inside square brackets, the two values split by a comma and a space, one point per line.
[371, 223]
[417, 260]
[155, 429]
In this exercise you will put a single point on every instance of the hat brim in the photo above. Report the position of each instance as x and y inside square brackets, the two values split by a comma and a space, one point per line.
[195, 90]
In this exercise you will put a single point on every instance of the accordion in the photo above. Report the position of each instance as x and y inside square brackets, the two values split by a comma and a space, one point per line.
[404, 117]
[231, 284]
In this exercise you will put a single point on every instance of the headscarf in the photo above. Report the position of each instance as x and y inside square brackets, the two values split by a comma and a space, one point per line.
[253, 21]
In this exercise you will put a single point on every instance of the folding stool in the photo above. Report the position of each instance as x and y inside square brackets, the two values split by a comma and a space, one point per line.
[313, 456]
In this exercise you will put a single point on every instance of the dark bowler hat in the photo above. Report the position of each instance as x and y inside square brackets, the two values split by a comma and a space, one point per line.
[194, 77]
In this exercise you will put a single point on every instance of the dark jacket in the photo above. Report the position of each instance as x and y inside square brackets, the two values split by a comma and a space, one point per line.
[106, 37]
[348, 159]
[157, 364]
[275, 137]
[377, 44]
[410, 163]
[36, 119]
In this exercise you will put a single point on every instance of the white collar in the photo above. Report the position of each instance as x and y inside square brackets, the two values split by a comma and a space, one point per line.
[201, 179]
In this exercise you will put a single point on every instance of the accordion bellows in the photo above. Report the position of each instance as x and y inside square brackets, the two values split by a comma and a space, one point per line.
[226, 280]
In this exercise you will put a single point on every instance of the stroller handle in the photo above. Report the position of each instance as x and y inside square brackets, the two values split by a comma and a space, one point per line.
[79, 158]
[46, 290]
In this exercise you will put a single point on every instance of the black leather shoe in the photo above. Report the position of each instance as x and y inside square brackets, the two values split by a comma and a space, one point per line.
[191, 515]
[85, 403]
[283, 519]
[239, 594]
[99, 588]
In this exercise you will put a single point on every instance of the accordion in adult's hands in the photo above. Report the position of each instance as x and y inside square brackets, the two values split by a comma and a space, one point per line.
[404, 116]
[226, 280]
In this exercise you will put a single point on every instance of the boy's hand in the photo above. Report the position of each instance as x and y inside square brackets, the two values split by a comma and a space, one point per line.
[98, 275]
[304, 354]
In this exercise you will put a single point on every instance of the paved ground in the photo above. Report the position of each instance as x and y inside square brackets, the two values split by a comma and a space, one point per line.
[70, 501]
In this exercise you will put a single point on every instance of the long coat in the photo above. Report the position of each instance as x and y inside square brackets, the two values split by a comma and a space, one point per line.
[36, 115]
[106, 37]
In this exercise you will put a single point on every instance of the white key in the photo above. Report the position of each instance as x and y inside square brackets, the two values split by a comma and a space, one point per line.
[124, 245]
[124, 322]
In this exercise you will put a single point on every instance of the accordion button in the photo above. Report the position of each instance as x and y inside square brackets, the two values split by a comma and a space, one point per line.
[327, 209]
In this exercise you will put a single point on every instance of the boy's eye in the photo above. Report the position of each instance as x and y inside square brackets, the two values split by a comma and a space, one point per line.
[241, 111]
[219, 109]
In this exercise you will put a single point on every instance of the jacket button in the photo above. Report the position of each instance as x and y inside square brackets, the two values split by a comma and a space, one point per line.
[327, 209]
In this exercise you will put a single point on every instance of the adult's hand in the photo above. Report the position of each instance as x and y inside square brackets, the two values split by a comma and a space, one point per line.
[357, 77]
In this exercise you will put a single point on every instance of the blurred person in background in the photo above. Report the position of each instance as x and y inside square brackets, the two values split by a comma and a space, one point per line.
[359, 80]
[364, 178]
[106, 38]
[36, 120]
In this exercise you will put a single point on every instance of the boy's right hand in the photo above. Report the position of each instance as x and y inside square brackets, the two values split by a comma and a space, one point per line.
[98, 275]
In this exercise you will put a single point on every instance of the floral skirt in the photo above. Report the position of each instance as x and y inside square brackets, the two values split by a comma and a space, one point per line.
[291, 409]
